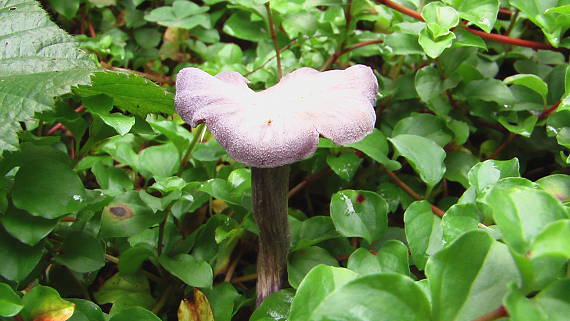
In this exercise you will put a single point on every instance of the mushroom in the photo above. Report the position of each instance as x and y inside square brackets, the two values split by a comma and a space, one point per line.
[270, 129]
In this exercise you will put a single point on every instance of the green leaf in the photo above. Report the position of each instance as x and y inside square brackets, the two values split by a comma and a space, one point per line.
[86, 311]
[26, 228]
[425, 156]
[300, 23]
[130, 93]
[67, 8]
[241, 26]
[126, 215]
[552, 24]
[558, 185]
[311, 231]
[491, 90]
[38, 61]
[160, 160]
[10, 302]
[18, 260]
[101, 105]
[377, 297]
[391, 257]
[515, 124]
[192, 271]
[275, 307]
[425, 125]
[428, 83]
[457, 166]
[464, 38]
[182, 14]
[483, 13]
[375, 146]
[491, 171]
[222, 298]
[134, 313]
[44, 303]
[302, 261]
[359, 213]
[344, 165]
[320, 283]
[521, 212]
[423, 232]
[439, 18]
[82, 252]
[551, 304]
[435, 47]
[46, 186]
[470, 277]
[552, 240]
[131, 260]
[459, 219]
[530, 81]
[124, 292]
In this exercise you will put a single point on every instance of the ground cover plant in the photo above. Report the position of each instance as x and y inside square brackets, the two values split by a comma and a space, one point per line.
[455, 207]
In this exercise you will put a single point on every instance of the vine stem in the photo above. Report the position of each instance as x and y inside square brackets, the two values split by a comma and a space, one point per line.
[332, 59]
[274, 38]
[493, 315]
[485, 35]
[269, 196]
[199, 131]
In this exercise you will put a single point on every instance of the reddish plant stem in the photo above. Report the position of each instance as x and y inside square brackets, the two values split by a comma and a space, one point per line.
[307, 181]
[332, 59]
[271, 58]
[394, 178]
[487, 36]
[493, 315]
[274, 38]
[504, 145]
[59, 126]
[548, 111]
[92, 32]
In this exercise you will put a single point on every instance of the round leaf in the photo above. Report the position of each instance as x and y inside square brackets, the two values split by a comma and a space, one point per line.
[10, 302]
[192, 271]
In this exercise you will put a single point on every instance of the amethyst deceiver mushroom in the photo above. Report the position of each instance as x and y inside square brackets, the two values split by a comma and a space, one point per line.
[270, 129]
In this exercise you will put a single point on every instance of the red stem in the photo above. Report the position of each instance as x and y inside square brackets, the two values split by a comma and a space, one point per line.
[493, 315]
[547, 112]
[485, 35]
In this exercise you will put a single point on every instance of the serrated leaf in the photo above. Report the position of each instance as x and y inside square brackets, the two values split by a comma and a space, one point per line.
[130, 93]
[38, 61]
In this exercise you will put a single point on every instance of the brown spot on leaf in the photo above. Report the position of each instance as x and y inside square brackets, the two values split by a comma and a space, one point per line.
[360, 198]
[121, 212]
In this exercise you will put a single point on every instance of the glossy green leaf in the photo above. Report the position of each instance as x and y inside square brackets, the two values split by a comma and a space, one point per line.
[192, 271]
[82, 252]
[38, 61]
[319, 284]
[126, 215]
[425, 125]
[490, 90]
[375, 146]
[552, 240]
[302, 261]
[10, 302]
[223, 297]
[530, 81]
[18, 260]
[67, 8]
[457, 166]
[391, 257]
[344, 165]
[359, 213]
[551, 304]
[435, 47]
[182, 14]
[439, 18]
[423, 232]
[459, 219]
[552, 24]
[134, 313]
[26, 228]
[464, 38]
[101, 105]
[46, 186]
[86, 311]
[490, 171]
[275, 307]
[469, 278]
[558, 185]
[241, 26]
[377, 297]
[311, 231]
[425, 156]
[44, 303]
[521, 212]
[428, 83]
[132, 259]
[482, 13]
[160, 160]
[125, 291]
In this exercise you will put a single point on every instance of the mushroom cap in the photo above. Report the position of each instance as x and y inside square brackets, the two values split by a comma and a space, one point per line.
[282, 124]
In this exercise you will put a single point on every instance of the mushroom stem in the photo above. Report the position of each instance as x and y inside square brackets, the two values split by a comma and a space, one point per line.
[269, 192]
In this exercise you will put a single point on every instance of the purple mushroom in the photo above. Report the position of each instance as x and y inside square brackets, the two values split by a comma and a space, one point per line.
[272, 128]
